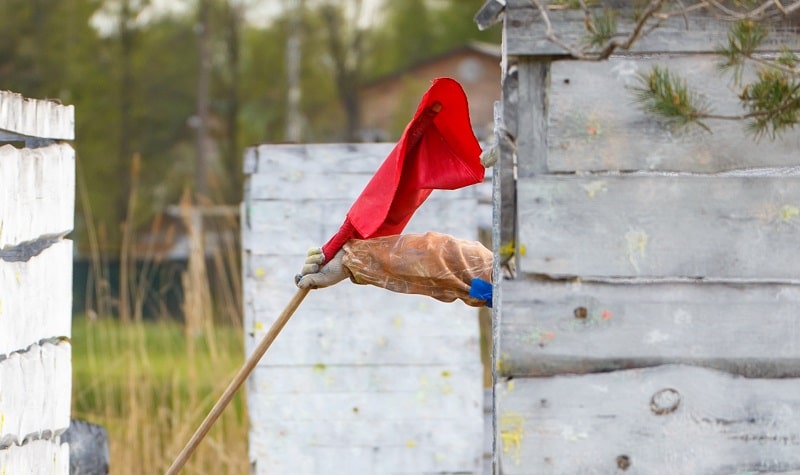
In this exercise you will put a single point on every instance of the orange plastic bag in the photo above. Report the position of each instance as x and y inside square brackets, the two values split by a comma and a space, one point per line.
[432, 264]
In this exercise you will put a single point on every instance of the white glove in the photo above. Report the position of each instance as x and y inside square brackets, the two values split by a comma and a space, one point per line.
[490, 155]
[317, 274]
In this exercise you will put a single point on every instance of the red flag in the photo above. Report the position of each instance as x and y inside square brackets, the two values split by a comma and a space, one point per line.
[438, 150]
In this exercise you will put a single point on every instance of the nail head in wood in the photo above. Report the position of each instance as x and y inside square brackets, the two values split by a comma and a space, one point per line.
[665, 401]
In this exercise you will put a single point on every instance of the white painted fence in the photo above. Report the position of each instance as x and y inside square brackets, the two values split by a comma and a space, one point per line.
[37, 194]
[361, 380]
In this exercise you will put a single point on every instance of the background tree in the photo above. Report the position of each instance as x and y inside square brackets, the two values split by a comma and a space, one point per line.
[131, 68]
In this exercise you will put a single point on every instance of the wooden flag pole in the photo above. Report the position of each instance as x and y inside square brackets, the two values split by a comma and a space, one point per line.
[238, 380]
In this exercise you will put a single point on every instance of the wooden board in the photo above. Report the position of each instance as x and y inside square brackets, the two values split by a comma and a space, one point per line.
[359, 324]
[669, 419]
[292, 161]
[36, 389]
[340, 413]
[595, 124]
[700, 227]
[315, 221]
[36, 456]
[550, 328]
[35, 117]
[525, 32]
[323, 172]
[27, 317]
[37, 193]
[409, 365]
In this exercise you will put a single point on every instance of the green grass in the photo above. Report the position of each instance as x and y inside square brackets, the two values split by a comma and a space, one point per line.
[150, 386]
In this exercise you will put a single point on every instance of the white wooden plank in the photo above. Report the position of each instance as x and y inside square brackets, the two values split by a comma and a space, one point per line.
[353, 346]
[319, 171]
[298, 159]
[408, 379]
[656, 226]
[315, 221]
[25, 316]
[299, 184]
[670, 419]
[596, 125]
[342, 412]
[532, 113]
[35, 392]
[360, 395]
[350, 324]
[404, 316]
[556, 327]
[35, 117]
[525, 32]
[37, 193]
[35, 457]
[279, 455]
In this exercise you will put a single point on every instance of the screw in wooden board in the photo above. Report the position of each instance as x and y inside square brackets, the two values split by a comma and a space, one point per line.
[665, 401]
[623, 462]
[581, 313]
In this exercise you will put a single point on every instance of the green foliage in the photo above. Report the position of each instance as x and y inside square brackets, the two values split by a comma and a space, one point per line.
[773, 101]
[602, 27]
[744, 38]
[666, 95]
[134, 83]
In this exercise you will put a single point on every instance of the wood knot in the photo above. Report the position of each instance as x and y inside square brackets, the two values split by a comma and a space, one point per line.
[665, 401]
[581, 313]
[623, 462]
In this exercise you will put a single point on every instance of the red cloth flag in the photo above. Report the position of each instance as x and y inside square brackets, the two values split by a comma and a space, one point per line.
[438, 150]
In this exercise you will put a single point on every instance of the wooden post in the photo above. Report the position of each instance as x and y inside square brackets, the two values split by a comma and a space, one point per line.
[37, 195]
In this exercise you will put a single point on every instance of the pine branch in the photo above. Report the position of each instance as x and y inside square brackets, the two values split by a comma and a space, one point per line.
[601, 36]
[666, 95]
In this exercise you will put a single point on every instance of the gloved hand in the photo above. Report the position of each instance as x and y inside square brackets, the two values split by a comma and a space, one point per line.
[317, 274]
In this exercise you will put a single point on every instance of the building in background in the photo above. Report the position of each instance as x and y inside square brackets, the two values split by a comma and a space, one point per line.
[388, 102]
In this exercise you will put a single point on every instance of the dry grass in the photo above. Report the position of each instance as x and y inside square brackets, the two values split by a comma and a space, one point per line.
[137, 380]
[151, 383]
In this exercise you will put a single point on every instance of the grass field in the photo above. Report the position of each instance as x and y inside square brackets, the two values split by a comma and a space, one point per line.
[150, 386]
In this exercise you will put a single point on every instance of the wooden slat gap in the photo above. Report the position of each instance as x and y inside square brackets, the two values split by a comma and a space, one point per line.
[644, 280]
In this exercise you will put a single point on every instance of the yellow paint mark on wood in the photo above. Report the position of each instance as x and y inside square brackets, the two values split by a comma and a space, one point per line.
[789, 211]
[260, 272]
[502, 366]
[398, 322]
[411, 443]
[509, 249]
[636, 240]
[595, 187]
[511, 433]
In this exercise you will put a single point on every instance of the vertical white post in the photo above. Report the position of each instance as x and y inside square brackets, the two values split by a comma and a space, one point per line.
[37, 195]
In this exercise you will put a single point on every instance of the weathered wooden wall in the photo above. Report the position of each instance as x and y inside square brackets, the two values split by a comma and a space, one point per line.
[652, 325]
[361, 380]
[37, 189]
